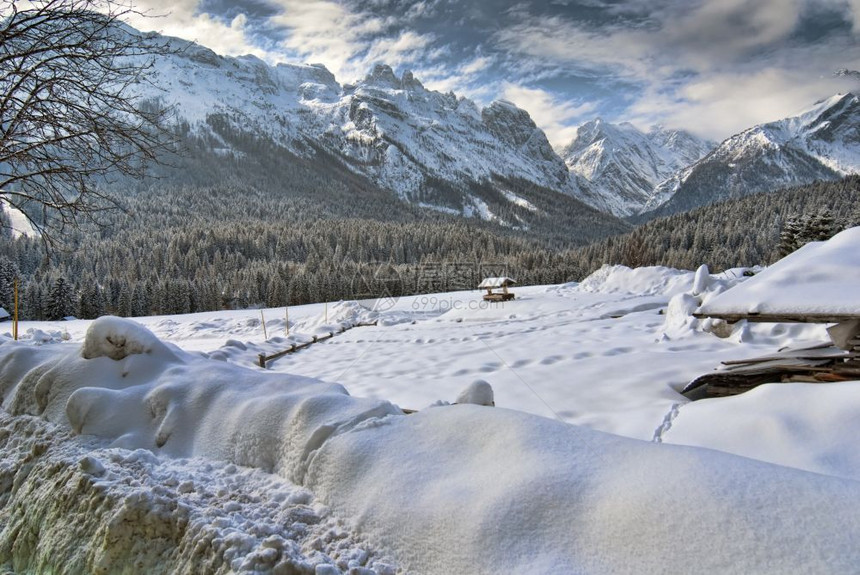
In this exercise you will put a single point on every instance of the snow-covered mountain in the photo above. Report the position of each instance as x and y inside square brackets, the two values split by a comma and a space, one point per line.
[621, 165]
[429, 148]
[820, 143]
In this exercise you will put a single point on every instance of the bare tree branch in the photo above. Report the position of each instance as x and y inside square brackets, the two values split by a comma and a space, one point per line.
[71, 120]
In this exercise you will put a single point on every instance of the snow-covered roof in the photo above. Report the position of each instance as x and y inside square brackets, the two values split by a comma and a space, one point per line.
[817, 282]
[490, 283]
[3, 313]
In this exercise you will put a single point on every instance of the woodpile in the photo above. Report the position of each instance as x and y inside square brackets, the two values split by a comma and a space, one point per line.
[822, 363]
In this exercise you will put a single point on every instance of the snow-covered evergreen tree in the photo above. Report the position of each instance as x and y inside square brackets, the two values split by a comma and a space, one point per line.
[8, 274]
[61, 300]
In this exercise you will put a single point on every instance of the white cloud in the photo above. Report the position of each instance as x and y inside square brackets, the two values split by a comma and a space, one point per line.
[406, 47]
[558, 41]
[478, 64]
[348, 42]
[711, 34]
[463, 79]
[181, 18]
[720, 105]
[559, 120]
[853, 7]
[713, 67]
[722, 31]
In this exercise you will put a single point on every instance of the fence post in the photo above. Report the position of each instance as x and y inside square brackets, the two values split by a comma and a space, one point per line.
[265, 335]
[15, 312]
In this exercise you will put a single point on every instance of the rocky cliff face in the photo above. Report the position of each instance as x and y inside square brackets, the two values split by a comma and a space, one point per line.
[390, 129]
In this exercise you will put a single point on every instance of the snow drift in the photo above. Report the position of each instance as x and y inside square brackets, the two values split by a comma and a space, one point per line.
[453, 489]
[819, 278]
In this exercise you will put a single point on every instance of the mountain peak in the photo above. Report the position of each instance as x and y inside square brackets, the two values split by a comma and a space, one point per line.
[621, 165]
[382, 75]
[409, 82]
[509, 121]
[822, 106]
[821, 142]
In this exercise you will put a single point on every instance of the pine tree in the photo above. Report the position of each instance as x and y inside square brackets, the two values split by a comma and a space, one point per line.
[820, 226]
[32, 304]
[91, 302]
[789, 236]
[61, 301]
[139, 300]
[8, 274]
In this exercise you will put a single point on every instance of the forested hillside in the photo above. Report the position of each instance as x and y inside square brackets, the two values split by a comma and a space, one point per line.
[741, 232]
[254, 226]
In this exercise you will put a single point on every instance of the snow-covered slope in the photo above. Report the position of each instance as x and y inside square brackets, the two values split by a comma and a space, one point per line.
[403, 137]
[621, 165]
[822, 142]
[17, 223]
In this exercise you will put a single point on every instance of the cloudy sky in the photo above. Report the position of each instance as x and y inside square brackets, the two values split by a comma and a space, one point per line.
[713, 67]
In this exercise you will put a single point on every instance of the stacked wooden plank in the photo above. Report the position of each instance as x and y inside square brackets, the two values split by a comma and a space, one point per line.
[818, 364]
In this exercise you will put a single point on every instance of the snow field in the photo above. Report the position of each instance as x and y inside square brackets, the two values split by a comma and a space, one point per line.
[466, 488]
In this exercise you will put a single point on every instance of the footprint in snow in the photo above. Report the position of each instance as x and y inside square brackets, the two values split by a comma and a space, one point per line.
[490, 367]
[617, 351]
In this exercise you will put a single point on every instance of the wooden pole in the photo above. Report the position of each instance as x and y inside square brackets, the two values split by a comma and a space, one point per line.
[15, 312]
[265, 335]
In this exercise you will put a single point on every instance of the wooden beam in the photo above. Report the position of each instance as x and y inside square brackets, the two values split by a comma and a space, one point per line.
[824, 354]
[780, 317]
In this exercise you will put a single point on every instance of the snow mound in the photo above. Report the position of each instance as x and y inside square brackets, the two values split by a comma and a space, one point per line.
[497, 491]
[819, 278]
[339, 315]
[653, 280]
[478, 392]
[705, 289]
[71, 505]
[805, 426]
[702, 280]
[178, 404]
[40, 337]
[117, 338]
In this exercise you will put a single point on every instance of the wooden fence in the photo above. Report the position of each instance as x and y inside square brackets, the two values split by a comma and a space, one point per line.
[263, 359]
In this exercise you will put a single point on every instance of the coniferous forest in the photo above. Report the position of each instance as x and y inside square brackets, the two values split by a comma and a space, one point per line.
[254, 226]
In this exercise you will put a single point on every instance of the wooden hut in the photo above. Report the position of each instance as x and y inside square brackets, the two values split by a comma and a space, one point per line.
[502, 283]
[816, 284]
